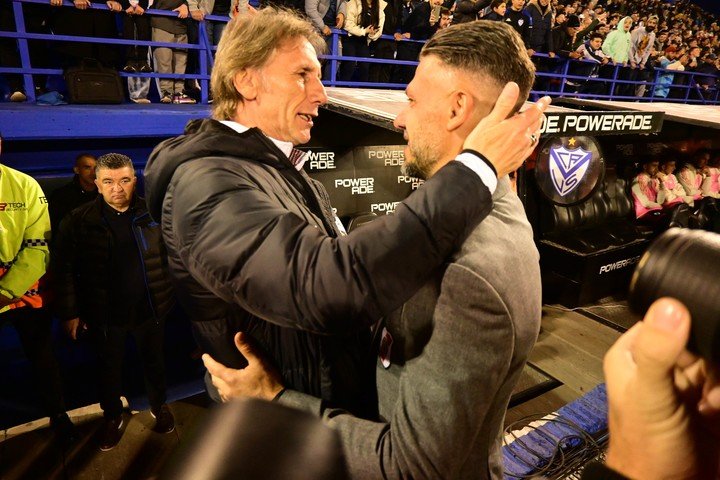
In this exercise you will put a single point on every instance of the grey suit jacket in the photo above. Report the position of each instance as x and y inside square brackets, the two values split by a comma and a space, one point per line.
[458, 348]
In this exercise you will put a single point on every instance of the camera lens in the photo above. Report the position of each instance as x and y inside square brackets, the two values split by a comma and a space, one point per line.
[684, 264]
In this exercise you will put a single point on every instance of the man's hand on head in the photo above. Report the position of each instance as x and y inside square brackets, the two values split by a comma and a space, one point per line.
[258, 380]
[507, 142]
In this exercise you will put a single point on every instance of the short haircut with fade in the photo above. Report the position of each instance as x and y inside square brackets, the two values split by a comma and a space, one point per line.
[114, 161]
[490, 50]
[249, 41]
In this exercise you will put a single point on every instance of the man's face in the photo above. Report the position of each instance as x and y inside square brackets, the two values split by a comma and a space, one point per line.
[671, 55]
[518, 5]
[117, 186]
[436, 3]
[668, 167]
[604, 29]
[445, 20]
[596, 43]
[424, 120]
[290, 92]
[85, 170]
[695, 52]
[651, 25]
[500, 9]
[627, 25]
[544, 3]
[662, 37]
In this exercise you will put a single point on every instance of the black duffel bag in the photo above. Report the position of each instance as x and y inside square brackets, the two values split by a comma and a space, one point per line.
[92, 83]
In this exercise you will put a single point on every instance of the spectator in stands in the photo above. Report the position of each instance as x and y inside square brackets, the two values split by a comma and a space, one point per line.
[468, 10]
[591, 51]
[642, 41]
[171, 60]
[617, 47]
[646, 190]
[663, 402]
[692, 174]
[364, 24]
[328, 14]
[445, 19]
[24, 256]
[706, 82]
[541, 41]
[564, 37]
[518, 18]
[497, 11]
[80, 190]
[668, 61]
[214, 29]
[85, 21]
[35, 16]
[672, 192]
[110, 272]
[480, 314]
[420, 25]
[540, 13]
[290, 213]
[136, 26]
[386, 49]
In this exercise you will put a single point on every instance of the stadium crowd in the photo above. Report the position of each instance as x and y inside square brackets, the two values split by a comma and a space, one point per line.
[646, 40]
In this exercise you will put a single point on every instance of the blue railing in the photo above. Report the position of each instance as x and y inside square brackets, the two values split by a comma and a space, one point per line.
[553, 77]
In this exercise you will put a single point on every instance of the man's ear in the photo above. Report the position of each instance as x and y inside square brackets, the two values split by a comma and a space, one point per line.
[462, 105]
[247, 83]
[76, 170]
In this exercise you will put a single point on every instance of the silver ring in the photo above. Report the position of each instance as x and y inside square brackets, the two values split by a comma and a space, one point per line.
[533, 139]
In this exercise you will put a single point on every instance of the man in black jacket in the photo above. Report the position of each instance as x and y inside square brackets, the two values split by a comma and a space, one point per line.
[518, 18]
[81, 189]
[253, 243]
[111, 279]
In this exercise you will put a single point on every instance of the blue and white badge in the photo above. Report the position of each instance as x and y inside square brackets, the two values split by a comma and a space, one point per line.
[568, 167]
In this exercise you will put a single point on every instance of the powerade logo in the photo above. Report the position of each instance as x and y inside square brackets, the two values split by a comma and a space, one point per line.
[568, 167]
[385, 208]
[321, 160]
[611, 267]
[357, 186]
[413, 181]
[12, 206]
[390, 158]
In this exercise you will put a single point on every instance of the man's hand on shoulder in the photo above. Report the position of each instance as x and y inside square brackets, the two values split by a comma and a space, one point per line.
[258, 380]
[507, 141]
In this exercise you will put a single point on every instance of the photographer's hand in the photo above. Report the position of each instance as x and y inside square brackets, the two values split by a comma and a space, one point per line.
[663, 408]
[258, 380]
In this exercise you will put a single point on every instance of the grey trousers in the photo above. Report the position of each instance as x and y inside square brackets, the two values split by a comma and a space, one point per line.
[170, 60]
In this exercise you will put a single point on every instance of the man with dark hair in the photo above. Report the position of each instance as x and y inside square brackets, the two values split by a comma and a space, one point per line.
[252, 241]
[81, 189]
[110, 269]
[450, 357]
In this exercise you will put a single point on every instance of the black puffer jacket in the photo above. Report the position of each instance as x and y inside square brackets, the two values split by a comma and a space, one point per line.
[82, 266]
[252, 246]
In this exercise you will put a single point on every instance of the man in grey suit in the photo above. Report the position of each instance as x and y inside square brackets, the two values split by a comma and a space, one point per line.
[450, 357]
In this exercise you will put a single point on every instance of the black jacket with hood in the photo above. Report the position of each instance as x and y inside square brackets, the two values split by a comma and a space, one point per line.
[252, 246]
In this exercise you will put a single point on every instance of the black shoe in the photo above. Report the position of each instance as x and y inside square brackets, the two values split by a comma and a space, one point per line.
[111, 433]
[145, 68]
[129, 68]
[164, 420]
[65, 432]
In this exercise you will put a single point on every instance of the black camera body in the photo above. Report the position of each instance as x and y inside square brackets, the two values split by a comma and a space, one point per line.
[684, 264]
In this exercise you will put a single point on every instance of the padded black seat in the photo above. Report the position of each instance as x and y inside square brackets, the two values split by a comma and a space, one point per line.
[589, 250]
